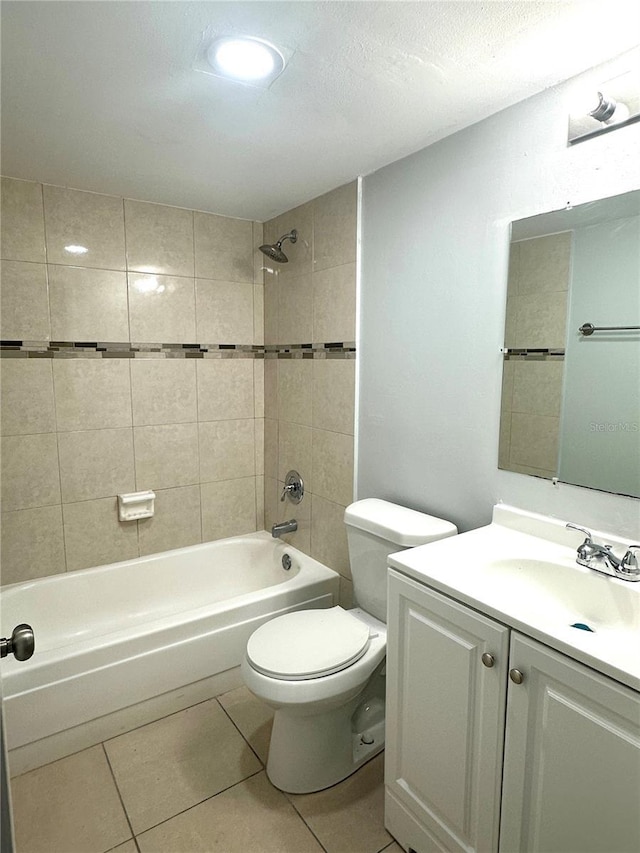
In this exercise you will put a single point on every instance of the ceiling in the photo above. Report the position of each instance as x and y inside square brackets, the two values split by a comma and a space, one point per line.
[104, 96]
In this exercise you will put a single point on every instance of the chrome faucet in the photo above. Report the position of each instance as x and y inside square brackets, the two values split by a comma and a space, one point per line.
[283, 527]
[601, 558]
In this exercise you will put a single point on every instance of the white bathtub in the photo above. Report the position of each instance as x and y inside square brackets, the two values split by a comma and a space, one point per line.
[117, 635]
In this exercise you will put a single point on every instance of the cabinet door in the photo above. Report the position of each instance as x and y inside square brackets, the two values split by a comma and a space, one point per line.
[572, 758]
[445, 721]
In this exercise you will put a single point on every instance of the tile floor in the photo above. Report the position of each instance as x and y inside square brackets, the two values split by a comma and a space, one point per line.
[193, 782]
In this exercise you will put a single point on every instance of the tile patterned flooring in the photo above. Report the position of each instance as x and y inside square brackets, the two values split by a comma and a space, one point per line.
[193, 782]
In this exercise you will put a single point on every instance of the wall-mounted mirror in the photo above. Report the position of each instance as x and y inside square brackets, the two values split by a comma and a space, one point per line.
[571, 397]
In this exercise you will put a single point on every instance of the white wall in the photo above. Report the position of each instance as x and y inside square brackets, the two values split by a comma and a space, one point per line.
[435, 241]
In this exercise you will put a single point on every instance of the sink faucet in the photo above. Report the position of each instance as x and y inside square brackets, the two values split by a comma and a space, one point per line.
[601, 558]
[283, 527]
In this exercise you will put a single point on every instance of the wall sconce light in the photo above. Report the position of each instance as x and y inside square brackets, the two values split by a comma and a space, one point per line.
[609, 111]
[605, 107]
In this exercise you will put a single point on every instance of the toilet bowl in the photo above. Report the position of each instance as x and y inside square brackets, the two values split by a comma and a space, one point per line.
[323, 671]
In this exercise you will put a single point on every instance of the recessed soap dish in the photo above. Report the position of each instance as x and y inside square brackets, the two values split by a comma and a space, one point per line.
[136, 505]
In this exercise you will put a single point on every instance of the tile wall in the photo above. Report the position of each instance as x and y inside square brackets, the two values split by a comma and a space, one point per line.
[130, 335]
[539, 275]
[310, 304]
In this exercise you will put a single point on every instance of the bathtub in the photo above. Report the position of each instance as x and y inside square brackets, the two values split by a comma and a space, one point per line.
[111, 637]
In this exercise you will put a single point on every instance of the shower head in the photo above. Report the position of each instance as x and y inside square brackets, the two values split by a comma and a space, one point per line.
[274, 252]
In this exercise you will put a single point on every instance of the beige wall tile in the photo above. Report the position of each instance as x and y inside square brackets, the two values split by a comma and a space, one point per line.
[225, 389]
[91, 220]
[228, 508]
[258, 387]
[258, 315]
[26, 395]
[541, 320]
[272, 492]
[504, 446]
[334, 227]
[92, 393]
[270, 310]
[334, 304]
[508, 372]
[159, 238]
[334, 389]
[163, 391]
[511, 322]
[88, 305]
[227, 449]
[95, 537]
[71, 804]
[258, 240]
[271, 387]
[333, 466]
[537, 387]
[22, 234]
[162, 308]
[24, 302]
[166, 456]
[223, 247]
[294, 452]
[260, 503]
[329, 535]
[30, 476]
[513, 275]
[259, 445]
[295, 310]
[32, 544]
[95, 463]
[534, 441]
[544, 264]
[176, 522]
[271, 448]
[295, 383]
[224, 312]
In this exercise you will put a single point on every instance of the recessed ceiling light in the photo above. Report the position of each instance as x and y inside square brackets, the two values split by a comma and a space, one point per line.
[245, 59]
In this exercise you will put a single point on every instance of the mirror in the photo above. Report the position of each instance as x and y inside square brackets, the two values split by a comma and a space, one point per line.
[571, 395]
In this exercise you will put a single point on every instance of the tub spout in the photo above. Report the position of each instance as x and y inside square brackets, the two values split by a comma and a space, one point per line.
[283, 527]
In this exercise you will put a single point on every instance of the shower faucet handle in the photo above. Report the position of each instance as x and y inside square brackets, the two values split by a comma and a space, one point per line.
[293, 487]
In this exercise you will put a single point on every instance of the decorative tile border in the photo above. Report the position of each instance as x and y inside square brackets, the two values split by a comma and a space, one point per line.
[541, 354]
[97, 349]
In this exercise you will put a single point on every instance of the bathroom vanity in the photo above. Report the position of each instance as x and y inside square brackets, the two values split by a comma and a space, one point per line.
[513, 695]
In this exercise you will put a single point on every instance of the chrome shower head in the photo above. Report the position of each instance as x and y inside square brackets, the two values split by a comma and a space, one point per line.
[274, 252]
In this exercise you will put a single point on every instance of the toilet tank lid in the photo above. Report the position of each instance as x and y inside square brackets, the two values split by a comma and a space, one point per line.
[397, 524]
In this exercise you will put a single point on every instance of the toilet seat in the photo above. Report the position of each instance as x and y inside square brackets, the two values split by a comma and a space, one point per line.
[308, 644]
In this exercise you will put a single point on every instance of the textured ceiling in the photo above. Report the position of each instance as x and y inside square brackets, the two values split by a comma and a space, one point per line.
[104, 96]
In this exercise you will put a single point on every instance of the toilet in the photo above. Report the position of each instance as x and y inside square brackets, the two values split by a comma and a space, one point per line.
[323, 671]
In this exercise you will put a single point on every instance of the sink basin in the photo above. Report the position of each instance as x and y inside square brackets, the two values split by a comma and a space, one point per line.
[569, 593]
[521, 570]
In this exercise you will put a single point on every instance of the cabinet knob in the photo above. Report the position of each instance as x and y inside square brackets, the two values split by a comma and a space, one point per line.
[516, 676]
[488, 660]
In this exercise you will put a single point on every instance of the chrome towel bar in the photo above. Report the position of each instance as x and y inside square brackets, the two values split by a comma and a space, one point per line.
[588, 329]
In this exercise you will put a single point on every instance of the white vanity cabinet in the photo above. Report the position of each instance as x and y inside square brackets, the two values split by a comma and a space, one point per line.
[477, 762]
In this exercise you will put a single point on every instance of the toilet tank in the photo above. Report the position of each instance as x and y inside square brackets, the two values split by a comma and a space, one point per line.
[375, 529]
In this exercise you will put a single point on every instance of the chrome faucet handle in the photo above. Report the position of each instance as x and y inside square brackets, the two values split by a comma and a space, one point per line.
[584, 530]
[585, 549]
[629, 563]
